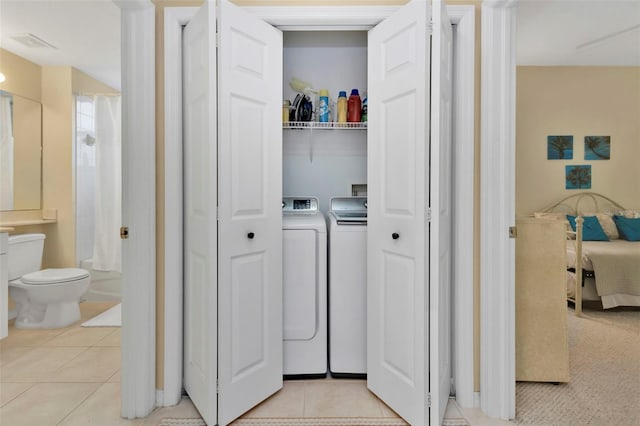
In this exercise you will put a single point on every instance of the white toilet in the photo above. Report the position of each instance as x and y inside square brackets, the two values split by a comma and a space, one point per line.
[47, 298]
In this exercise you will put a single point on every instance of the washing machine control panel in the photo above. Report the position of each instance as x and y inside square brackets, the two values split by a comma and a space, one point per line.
[299, 205]
[349, 210]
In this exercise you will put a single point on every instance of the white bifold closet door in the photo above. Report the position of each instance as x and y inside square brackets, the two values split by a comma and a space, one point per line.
[233, 291]
[233, 231]
[440, 250]
[200, 202]
[406, 300]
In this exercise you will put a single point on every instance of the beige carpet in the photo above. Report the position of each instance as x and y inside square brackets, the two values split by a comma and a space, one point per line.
[604, 388]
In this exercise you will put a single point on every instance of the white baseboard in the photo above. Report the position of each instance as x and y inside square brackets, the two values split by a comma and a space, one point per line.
[159, 398]
[167, 399]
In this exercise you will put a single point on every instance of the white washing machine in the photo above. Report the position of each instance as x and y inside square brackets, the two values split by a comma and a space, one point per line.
[304, 231]
[348, 287]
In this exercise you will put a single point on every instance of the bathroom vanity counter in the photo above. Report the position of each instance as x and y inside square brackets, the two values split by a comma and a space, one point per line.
[10, 224]
[12, 219]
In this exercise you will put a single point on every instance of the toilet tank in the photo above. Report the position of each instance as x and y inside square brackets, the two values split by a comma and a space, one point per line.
[25, 254]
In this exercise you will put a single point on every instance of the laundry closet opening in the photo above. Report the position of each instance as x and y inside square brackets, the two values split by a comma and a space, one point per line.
[324, 157]
[318, 161]
[233, 233]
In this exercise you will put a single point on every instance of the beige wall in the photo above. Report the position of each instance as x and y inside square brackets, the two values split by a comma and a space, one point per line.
[54, 87]
[23, 77]
[57, 170]
[578, 101]
[84, 84]
[27, 154]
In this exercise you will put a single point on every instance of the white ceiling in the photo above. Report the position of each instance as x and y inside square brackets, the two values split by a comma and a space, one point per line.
[86, 33]
[578, 32]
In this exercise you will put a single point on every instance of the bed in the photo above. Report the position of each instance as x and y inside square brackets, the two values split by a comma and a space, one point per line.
[605, 270]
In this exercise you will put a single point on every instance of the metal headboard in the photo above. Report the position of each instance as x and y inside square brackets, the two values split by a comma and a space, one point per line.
[585, 202]
[576, 205]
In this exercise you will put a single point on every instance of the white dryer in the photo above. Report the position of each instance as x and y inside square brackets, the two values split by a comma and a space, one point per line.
[348, 287]
[304, 231]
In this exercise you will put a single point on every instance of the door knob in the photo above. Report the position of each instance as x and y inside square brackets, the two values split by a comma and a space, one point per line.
[250, 235]
[395, 235]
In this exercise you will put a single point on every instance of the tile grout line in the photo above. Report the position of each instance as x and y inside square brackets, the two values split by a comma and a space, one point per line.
[43, 343]
[29, 379]
[9, 401]
[80, 403]
[106, 337]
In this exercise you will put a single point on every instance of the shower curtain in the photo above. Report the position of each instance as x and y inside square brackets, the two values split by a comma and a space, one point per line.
[6, 154]
[107, 251]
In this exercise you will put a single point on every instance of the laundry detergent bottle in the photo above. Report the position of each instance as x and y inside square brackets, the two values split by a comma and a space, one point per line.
[354, 107]
[342, 107]
[324, 106]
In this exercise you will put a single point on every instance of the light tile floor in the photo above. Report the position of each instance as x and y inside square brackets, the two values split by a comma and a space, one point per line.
[71, 377]
[322, 398]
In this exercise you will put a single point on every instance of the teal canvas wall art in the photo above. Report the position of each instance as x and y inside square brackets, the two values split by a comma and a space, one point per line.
[578, 177]
[597, 147]
[560, 147]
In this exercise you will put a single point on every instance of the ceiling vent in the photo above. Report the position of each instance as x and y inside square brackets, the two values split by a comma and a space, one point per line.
[32, 41]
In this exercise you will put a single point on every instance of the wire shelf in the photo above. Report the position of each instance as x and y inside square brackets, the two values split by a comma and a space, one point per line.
[327, 126]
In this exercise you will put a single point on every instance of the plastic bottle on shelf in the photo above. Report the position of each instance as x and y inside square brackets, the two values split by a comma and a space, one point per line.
[286, 107]
[354, 108]
[363, 117]
[342, 107]
[324, 106]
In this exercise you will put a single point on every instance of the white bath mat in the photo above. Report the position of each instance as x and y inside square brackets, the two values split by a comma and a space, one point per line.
[110, 318]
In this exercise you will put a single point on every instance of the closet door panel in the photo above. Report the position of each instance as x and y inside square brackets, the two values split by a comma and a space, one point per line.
[441, 217]
[249, 211]
[200, 198]
[397, 271]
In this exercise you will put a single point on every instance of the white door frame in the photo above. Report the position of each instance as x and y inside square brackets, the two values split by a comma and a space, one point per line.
[138, 345]
[497, 209]
[340, 17]
[357, 18]
[174, 19]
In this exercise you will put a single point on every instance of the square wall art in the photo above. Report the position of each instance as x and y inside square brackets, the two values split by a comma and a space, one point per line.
[578, 177]
[559, 147]
[597, 147]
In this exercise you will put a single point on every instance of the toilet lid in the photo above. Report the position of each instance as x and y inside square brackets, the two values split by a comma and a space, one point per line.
[55, 275]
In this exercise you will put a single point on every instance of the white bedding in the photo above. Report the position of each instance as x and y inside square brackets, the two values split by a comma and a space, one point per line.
[616, 265]
[619, 283]
[571, 256]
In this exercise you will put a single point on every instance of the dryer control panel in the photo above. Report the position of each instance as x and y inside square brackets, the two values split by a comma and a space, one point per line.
[300, 205]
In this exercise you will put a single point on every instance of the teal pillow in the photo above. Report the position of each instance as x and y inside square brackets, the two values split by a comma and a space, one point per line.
[628, 228]
[591, 229]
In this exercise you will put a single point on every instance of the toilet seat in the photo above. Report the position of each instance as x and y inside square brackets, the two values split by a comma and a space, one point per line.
[54, 276]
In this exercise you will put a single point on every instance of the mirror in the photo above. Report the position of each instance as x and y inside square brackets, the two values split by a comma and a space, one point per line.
[20, 153]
